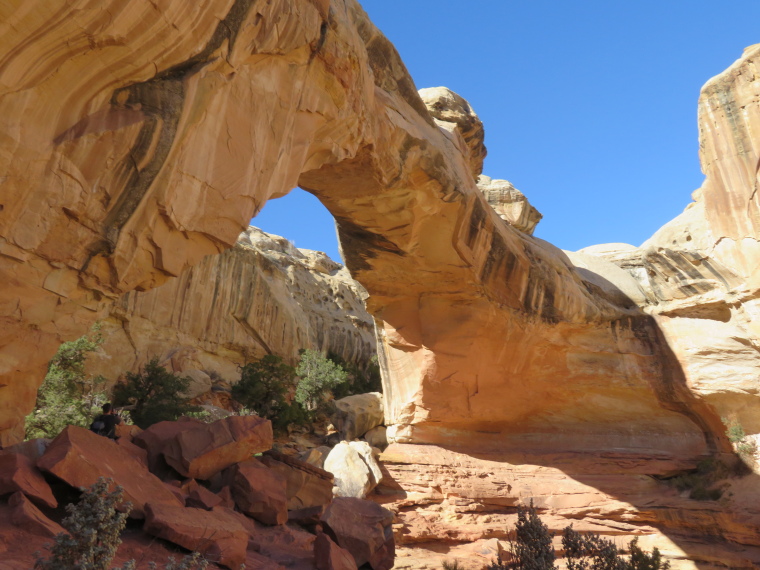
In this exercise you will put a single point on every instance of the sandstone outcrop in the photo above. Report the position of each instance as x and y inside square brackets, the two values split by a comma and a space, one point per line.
[511, 204]
[262, 296]
[356, 415]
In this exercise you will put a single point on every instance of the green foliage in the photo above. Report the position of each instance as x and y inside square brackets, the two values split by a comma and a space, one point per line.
[154, 394]
[359, 381]
[319, 376]
[93, 527]
[592, 552]
[532, 549]
[67, 396]
[701, 482]
[264, 386]
[745, 448]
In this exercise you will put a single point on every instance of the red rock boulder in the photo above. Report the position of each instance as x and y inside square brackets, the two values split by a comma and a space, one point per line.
[330, 556]
[18, 473]
[204, 450]
[306, 486]
[156, 437]
[200, 497]
[259, 492]
[217, 534]
[25, 515]
[79, 457]
[364, 529]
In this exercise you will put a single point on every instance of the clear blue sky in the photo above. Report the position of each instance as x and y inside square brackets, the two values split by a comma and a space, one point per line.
[590, 107]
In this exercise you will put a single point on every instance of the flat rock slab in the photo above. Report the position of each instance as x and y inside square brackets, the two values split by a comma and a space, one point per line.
[260, 492]
[202, 451]
[218, 535]
[18, 473]
[79, 457]
[28, 517]
[364, 529]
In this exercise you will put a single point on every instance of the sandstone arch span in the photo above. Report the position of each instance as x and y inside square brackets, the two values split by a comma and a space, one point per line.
[139, 139]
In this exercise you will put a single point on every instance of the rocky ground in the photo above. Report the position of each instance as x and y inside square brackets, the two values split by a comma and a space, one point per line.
[218, 488]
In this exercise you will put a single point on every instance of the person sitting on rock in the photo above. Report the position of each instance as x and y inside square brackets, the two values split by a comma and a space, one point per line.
[105, 424]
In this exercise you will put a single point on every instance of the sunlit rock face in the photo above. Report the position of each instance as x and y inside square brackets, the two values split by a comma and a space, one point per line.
[263, 296]
[511, 204]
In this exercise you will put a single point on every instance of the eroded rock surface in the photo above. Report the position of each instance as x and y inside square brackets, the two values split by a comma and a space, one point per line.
[262, 296]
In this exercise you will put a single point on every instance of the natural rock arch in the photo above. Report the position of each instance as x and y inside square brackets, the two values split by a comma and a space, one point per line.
[135, 149]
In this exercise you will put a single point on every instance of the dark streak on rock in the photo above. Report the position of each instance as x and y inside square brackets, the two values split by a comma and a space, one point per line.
[359, 245]
[161, 100]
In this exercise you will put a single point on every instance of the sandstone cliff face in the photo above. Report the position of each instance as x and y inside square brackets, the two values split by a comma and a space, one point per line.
[263, 296]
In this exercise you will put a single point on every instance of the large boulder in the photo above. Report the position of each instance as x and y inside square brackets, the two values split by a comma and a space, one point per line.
[25, 515]
[218, 535]
[364, 529]
[377, 437]
[330, 556]
[18, 473]
[355, 469]
[200, 497]
[259, 492]
[80, 457]
[205, 450]
[306, 485]
[157, 437]
[356, 415]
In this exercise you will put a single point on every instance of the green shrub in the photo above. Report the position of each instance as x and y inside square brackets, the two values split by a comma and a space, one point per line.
[531, 549]
[94, 529]
[701, 483]
[745, 448]
[67, 396]
[264, 386]
[359, 380]
[318, 376]
[93, 526]
[592, 552]
[154, 394]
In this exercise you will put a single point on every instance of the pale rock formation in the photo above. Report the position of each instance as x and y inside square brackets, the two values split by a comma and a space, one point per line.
[454, 114]
[511, 204]
[356, 415]
[263, 296]
[354, 467]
